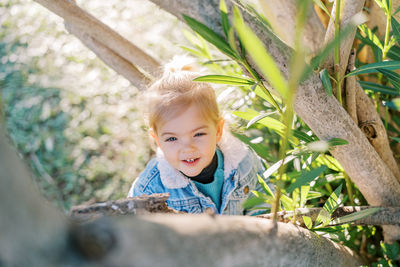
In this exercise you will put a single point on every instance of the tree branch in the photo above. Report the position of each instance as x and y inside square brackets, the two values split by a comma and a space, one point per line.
[35, 234]
[282, 16]
[348, 10]
[112, 59]
[86, 23]
[350, 89]
[384, 216]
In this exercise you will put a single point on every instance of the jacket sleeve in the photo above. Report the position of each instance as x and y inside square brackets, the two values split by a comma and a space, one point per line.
[140, 185]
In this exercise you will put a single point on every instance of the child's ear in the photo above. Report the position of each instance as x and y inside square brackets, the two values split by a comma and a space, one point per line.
[155, 137]
[220, 129]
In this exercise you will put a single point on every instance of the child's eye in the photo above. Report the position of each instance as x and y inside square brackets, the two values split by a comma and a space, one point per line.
[200, 134]
[170, 139]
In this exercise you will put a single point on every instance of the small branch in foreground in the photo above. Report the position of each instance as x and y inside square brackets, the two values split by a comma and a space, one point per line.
[384, 216]
[155, 203]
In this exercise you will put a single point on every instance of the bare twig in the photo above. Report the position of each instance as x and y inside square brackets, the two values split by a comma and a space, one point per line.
[384, 216]
[155, 203]
[350, 89]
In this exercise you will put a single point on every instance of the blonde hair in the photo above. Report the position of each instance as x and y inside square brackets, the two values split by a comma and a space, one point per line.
[175, 91]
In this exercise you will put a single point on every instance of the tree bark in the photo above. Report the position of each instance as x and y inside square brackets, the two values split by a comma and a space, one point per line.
[282, 16]
[88, 24]
[111, 58]
[34, 233]
[322, 113]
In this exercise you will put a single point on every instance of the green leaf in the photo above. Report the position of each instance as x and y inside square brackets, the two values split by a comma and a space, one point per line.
[326, 51]
[259, 117]
[379, 88]
[303, 195]
[392, 251]
[356, 216]
[287, 202]
[210, 36]
[371, 68]
[394, 104]
[224, 17]
[224, 79]
[322, 6]
[326, 82]
[397, 11]
[394, 52]
[370, 35]
[337, 142]
[265, 186]
[257, 51]
[397, 139]
[307, 221]
[313, 194]
[306, 177]
[277, 165]
[329, 207]
[393, 77]
[252, 201]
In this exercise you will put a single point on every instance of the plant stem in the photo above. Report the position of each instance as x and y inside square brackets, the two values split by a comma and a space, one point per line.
[258, 79]
[388, 22]
[337, 54]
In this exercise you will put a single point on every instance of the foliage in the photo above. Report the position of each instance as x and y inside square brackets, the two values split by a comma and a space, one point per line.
[304, 162]
[71, 118]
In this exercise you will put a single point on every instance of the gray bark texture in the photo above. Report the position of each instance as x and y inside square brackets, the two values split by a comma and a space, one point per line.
[34, 233]
[322, 113]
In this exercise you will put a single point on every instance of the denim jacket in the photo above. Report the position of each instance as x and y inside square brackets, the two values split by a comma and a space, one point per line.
[241, 166]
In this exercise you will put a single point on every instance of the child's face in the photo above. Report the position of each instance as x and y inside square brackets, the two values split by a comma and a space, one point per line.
[189, 141]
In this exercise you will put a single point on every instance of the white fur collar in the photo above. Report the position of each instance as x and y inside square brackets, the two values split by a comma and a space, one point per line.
[234, 151]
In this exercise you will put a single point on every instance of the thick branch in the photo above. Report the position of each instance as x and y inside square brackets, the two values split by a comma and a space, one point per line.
[88, 24]
[348, 10]
[282, 16]
[372, 126]
[35, 234]
[324, 116]
[114, 60]
[384, 216]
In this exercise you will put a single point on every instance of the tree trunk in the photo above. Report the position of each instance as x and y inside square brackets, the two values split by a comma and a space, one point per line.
[33, 233]
[322, 113]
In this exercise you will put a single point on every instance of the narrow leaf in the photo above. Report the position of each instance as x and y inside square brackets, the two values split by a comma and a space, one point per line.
[265, 186]
[394, 104]
[264, 61]
[210, 36]
[306, 177]
[224, 17]
[307, 221]
[379, 88]
[337, 142]
[277, 165]
[356, 216]
[370, 35]
[371, 68]
[326, 82]
[259, 117]
[322, 6]
[225, 79]
[329, 207]
[303, 195]
[252, 201]
[393, 77]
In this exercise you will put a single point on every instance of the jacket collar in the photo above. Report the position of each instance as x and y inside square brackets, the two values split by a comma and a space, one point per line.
[234, 151]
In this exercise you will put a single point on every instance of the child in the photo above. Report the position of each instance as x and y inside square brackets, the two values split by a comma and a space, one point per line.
[201, 166]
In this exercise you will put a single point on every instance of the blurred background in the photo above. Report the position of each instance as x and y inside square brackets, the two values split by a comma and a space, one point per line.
[72, 118]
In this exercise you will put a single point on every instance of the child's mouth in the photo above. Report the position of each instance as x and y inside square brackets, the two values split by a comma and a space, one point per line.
[191, 161]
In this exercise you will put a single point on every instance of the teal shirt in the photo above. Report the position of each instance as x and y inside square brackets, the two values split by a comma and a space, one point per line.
[213, 189]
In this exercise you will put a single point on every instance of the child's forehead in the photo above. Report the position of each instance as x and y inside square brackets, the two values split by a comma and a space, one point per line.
[185, 120]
